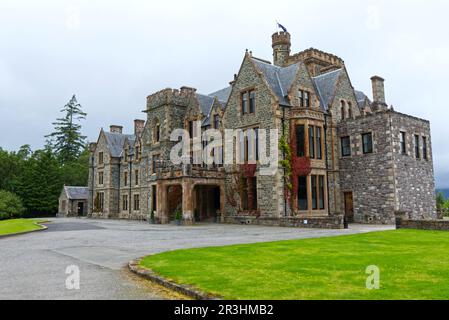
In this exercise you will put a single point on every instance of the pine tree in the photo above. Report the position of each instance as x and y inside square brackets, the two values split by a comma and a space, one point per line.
[66, 141]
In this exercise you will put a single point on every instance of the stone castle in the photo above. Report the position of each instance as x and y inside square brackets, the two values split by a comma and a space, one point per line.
[351, 157]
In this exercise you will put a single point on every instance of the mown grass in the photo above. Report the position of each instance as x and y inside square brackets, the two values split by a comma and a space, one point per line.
[413, 265]
[18, 226]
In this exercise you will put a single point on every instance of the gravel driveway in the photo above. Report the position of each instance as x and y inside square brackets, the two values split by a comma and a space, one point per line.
[33, 266]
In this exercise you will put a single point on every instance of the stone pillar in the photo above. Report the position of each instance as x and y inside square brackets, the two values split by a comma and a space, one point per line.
[161, 203]
[222, 203]
[187, 203]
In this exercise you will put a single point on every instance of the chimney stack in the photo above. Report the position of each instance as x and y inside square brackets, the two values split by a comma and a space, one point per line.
[379, 103]
[115, 129]
[138, 127]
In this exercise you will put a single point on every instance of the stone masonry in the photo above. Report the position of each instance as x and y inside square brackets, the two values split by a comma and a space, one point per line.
[361, 160]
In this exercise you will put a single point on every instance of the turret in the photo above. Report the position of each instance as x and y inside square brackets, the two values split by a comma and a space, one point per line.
[281, 44]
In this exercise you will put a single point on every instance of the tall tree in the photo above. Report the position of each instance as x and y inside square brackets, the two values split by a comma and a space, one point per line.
[41, 183]
[66, 141]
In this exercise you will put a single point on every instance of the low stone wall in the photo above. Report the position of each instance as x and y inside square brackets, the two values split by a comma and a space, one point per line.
[331, 222]
[423, 224]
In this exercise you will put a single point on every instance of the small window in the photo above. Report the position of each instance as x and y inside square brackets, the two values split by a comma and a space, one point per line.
[100, 158]
[125, 179]
[244, 102]
[136, 177]
[312, 142]
[424, 148]
[343, 110]
[216, 121]
[403, 141]
[349, 110]
[124, 203]
[346, 146]
[367, 139]
[304, 98]
[136, 202]
[252, 101]
[417, 152]
[100, 178]
[158, 132]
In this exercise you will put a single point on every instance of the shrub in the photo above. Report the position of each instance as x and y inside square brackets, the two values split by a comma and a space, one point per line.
[10, 205]
[178, 215]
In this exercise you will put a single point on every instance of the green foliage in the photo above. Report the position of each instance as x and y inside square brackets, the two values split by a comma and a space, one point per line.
[178, 215]
[40, 183]
[66, 141]
[11, 167]
[10, 205]
[76, 172]
[440, 200]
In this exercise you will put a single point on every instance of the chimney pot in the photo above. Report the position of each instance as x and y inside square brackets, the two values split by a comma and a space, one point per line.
[115, 129]
[138, 127]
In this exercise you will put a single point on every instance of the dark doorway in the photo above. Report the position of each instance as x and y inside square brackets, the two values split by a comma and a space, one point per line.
[80, 208]
[207, 203]
[174, 201]
[154, 198]
[349, 207]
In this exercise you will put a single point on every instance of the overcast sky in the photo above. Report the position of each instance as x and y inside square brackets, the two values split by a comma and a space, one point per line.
[112, 54]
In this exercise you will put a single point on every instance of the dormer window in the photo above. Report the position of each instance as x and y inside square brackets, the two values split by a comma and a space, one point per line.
[304, 98]
[100, 158]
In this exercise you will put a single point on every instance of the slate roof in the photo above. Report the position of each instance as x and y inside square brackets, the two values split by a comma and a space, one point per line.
[325, 86]
[77, 193]
[361, 99]
[222, 95]
[280, 79]
[116, 142]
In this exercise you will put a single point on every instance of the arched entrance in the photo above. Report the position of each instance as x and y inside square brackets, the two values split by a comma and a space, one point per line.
[174, 201]
[207, 203]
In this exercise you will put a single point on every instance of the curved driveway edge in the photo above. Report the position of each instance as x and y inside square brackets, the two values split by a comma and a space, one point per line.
[26, 232]
[189, 291]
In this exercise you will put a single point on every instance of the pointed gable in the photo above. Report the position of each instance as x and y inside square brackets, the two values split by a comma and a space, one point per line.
[326, 84]
[279, 79]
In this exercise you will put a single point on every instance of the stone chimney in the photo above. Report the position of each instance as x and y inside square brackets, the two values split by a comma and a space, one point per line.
[379, 103]
[187, 90]
[115, 129]
[281, 44]
[138, 127]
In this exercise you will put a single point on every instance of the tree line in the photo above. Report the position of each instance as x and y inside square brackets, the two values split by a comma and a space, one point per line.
[32, 180]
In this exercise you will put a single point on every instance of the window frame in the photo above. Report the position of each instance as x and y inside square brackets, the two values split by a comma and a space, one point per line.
[425, 155]
[403, 142]
[342, 146]
[371, 146]
[417, 147]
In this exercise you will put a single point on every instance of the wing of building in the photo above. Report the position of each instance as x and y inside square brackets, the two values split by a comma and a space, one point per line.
[351, 156]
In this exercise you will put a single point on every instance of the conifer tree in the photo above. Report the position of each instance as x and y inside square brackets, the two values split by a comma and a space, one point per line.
[66, 141]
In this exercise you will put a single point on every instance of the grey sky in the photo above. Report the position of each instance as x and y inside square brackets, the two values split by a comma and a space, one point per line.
[113, 54]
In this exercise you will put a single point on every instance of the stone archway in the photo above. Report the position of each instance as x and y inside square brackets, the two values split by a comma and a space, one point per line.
[207, 203]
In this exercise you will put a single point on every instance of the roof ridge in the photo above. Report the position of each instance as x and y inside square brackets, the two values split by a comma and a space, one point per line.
[328, 73]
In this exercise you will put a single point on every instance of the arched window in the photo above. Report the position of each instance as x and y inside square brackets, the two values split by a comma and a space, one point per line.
[343, 110]
[349, 110]
[157, 131]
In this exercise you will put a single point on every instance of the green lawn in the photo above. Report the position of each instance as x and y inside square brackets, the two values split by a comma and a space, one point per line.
[18, 226]
[413, 265]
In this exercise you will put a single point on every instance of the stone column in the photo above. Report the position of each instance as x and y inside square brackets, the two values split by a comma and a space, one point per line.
[161, 203]
[187, 203]
[222, 203]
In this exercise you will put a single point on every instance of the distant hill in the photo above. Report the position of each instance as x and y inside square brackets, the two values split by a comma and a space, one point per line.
[444, 191]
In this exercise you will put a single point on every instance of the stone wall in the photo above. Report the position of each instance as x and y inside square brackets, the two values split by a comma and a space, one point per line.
[330, 222]
[370, 177]
[442, 225]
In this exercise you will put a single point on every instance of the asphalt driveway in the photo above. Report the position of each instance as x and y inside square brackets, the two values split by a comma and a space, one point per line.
[33, 266]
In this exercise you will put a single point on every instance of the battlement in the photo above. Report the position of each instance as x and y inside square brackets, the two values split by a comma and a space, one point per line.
[313, 54]
[180, 97]
[281, 38]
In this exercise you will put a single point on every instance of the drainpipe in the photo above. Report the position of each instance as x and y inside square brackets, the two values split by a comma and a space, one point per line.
[283, 157]
[93, 184]
[130, 184]
[326, 115]
[119, 185]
